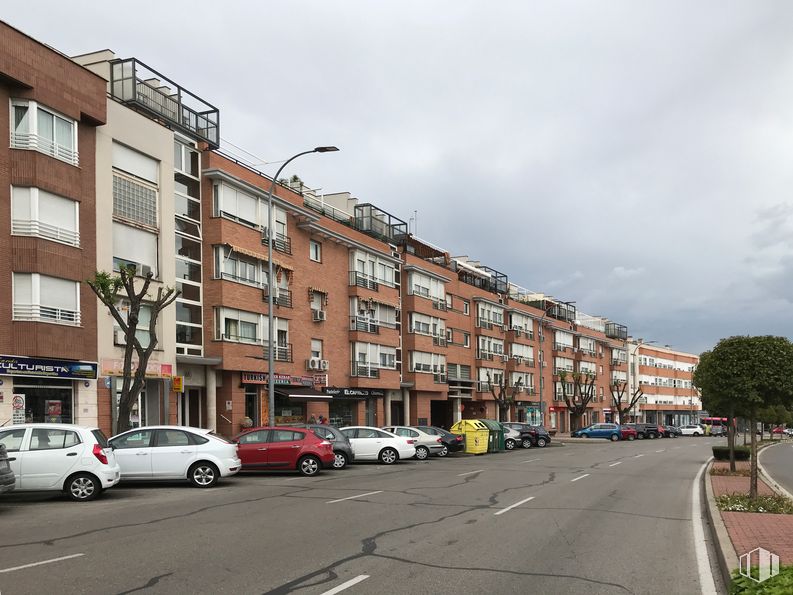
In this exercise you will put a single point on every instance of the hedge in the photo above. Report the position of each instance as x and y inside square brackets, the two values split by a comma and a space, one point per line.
[722, 453]
[781, 584]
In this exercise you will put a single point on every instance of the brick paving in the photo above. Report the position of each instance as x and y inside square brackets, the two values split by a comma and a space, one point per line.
[737, 485]
[749, 530]
[739, 465]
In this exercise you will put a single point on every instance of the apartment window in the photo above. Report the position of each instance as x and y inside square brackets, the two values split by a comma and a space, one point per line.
[134, 200]
[185, 159]
[38, 128]
[237, 325]
[315, 251]
[369, 354]
[236, 204]
[431, 363]
[35, 212]
[135, 247]
[426, 286]
[466, 340]
[316, 348]
[144, 319]
[46, 299]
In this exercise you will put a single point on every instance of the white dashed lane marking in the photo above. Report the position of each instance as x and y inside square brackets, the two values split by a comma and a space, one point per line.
[514, 505]
[580, 477]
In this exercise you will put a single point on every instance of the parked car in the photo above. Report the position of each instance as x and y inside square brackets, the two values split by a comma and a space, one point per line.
[776, 430]
[610, 431]
[628, 433]
[670, 431]
[7, 479]
[643, 431]
[175, 452]
[426, 444]
[451, 442]
[284, 448]
[374, 444]
[718, 430]
[692, 430]
[60, 457]
[537, 435]
[513, 437]
[342, 449]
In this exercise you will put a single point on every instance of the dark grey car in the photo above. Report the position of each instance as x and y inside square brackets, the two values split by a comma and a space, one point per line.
[7, 480]
[341, 444]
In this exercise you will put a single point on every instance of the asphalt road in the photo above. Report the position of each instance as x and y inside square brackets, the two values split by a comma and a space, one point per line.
[584, 518]
[778, 461]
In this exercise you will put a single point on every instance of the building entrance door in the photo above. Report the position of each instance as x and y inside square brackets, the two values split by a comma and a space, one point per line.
[397, 413]
[441, 414]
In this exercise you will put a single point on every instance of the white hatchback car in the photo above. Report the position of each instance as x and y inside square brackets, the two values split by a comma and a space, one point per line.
[426, 444]
[373, 444]
[175, 452]
[50, 457]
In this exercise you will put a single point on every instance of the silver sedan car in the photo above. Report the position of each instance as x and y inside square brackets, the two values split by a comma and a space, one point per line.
[426, 444]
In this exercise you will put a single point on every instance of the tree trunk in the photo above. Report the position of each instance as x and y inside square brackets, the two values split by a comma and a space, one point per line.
[731, 437]
[753, 459]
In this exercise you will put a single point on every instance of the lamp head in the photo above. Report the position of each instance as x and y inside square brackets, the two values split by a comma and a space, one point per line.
[325, 149]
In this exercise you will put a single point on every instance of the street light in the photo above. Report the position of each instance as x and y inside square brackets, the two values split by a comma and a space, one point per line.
[271, 351]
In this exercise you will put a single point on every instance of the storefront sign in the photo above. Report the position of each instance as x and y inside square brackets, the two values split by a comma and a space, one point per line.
[115, 367]
[354, 393]
[178, 384]
[11, 365]
[321, 379]
[282, 379]
[18, 406]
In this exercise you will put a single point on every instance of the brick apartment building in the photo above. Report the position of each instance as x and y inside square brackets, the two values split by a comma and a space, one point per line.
[372, 325]
[48, 318]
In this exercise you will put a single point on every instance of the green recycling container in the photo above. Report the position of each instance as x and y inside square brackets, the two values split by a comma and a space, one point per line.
[496, 442]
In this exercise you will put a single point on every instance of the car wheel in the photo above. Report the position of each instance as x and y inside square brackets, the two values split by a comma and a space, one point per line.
[695, 434]
[526, 443]
[509, 444]
[82, 487]
[388, 456]
[422, 452]
[203, 475]
[309, 466]
[444, 451]
[541, 442]
[614, 437]
[339, 460]
[631, 437]
[653, 436]
[640, 436]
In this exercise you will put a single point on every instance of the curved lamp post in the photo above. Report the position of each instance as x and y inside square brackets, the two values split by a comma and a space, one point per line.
[630, 368]
[270, 234]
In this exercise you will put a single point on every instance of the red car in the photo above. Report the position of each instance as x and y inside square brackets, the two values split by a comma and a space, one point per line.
[627, 433]
[284, 448]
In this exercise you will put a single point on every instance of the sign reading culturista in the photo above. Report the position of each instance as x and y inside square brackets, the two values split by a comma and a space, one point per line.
[37, 367]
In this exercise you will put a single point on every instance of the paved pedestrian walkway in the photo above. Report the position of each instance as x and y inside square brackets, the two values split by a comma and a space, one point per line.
[725, 484]
[750, 530]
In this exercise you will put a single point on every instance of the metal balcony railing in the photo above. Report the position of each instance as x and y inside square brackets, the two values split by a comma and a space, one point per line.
[35, 312]
[365, 325]
[22, 227]
[363, 280]
[281, 353]
[365, 370]
[135, 84]
[439, 378]
[484, 323]
[34, 142]
[283, 298]
[481, 354]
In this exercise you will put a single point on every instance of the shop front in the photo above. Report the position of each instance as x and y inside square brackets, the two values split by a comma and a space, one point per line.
[529, 412]
[153, 406]
[355, 406]
[296, 398]
[41, 390]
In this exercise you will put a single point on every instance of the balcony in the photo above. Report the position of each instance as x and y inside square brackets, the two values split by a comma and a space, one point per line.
[560, 347]
[379, 224]
[616, 331]
[439, 378]
[363, 280]
[439, 340]
[523, 361]
[140, 87]
[37, 313]
[439, 305]
[365, 325]
[483, 386]
[281, 243]
[484, 323]
[281, 353]
[364, 370]
[486, 355]
[327, 210]
[282, 299]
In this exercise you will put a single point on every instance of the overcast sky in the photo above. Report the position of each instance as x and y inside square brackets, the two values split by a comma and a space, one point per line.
[636, 157]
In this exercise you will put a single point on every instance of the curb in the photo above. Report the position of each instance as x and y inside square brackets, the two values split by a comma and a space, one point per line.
[725, 552]
[770, 480]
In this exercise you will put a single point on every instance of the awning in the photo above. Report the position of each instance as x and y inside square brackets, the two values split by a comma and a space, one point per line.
[301, 392]
[258, 256]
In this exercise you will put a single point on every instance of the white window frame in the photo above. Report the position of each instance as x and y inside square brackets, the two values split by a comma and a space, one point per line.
[31, 140]
[34, 227]
[37, 312]
[315, 251]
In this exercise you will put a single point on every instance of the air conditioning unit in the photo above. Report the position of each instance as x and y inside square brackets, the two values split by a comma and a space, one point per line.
[118, 337]
[324, 365]
[544, 364]
[313, 363]
[143, 270]
[504, 358]
[319, 315]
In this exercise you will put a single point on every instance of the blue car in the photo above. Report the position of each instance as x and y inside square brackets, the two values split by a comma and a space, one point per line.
[610, 431]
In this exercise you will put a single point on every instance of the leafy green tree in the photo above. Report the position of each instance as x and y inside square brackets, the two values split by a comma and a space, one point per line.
[112, 291]
[743, 375]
